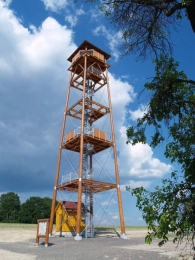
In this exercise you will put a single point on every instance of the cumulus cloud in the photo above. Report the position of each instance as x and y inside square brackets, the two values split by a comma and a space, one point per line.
[113, 39]
[33, 85]
[122, 93]
[31, 89]
[139, 160]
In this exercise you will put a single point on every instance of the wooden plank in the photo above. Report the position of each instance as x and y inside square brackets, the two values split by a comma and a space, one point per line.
[67, 137]
[101, 57]
[96, 133]
[75, 57]
[96, 54]
[70, 135]
[102, 135]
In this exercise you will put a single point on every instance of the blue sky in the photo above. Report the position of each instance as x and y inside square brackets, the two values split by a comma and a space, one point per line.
[36, 38]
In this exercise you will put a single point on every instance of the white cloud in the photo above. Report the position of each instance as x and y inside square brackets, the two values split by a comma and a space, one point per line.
[115, 217]
[113, 39]
[80, 11]
[96, 14]
[139, 160]
[71, 14]
[73, 19]
[32, 95]
[122, 93]
[134, 115]
[7, 2]
[125, 77]
[55, 5]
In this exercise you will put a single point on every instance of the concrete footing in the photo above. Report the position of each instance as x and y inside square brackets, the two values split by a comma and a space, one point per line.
[123, 235]
[78, 237]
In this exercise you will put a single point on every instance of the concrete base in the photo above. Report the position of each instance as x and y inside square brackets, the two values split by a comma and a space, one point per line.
[51, 235]
[78, 237]
[46, 245]
[123, 236]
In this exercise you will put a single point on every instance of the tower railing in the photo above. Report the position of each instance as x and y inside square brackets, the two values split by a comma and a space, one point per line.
[92, 52]
[96, 133]
[96, 71]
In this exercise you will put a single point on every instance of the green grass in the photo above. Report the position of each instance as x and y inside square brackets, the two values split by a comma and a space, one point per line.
[17, 225]
[99, 228]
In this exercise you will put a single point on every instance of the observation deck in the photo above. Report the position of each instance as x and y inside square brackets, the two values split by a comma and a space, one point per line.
[94, 186]
[98, 140]
[96, 63]
[95, 110]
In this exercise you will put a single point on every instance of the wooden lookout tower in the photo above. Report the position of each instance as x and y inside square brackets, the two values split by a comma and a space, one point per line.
[88, 83]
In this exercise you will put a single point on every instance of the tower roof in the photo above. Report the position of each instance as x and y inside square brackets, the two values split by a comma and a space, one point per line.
[88, 45]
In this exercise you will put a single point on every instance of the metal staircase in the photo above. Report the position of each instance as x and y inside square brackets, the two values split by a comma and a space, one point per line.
[87, 171]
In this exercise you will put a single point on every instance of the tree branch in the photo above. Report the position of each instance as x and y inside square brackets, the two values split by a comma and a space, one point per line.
[189, 81]
[173, 9]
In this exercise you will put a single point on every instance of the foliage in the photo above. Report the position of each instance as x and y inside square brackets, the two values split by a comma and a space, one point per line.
[169, 208]
[9, 207]
[35, 208]
[146, 26]
[171, 106]
[12, 211]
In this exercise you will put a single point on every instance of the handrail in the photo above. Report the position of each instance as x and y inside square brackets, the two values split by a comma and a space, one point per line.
[96, 133]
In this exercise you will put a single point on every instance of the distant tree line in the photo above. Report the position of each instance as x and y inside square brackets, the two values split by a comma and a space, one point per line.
[13, 211]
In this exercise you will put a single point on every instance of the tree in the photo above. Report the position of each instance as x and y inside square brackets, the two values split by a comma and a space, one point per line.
[171, 106]
[35, 208]
[146, 25]
[169, 208]
[9, 207]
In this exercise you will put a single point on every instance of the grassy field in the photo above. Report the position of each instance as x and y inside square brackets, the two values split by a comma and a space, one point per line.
[17, 225]
[129, 228]
[100, 228]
